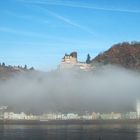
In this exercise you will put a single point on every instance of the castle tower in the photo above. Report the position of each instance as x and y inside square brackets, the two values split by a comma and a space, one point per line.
[74, 54]
[73, 57]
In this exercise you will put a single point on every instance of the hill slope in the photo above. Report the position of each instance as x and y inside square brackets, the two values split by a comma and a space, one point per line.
[9, 71]
[124, 54]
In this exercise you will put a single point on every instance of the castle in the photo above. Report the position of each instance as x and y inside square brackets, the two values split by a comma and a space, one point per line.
[70, 61]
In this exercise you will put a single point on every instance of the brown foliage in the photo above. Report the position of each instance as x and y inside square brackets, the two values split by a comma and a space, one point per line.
[124, 54]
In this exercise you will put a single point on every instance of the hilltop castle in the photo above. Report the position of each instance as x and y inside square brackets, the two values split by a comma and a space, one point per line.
[70, 61]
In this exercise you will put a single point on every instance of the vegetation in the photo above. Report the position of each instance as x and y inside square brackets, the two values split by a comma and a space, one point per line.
[88, 59]
[7, 70]
[125, 54]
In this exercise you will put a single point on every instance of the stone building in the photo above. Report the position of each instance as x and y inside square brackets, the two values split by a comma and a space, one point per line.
[70, 61]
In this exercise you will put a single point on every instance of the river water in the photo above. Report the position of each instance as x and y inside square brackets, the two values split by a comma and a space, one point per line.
[70, 132]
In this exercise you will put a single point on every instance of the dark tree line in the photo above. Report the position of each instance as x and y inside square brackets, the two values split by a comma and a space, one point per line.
[20, 67]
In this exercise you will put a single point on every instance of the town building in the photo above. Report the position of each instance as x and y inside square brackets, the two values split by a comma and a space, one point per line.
[19, 116]
[2, 110]
[138, 108]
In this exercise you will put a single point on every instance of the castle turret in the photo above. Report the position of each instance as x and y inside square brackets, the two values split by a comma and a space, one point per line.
[74, 54]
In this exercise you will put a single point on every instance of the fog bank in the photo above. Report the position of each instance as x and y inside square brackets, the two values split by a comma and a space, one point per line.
[107, 89]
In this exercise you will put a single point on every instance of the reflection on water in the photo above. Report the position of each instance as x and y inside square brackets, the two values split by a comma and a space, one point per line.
[70, 132]
[138, 132]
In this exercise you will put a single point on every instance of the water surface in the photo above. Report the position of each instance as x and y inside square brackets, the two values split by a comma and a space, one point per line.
[70, 132]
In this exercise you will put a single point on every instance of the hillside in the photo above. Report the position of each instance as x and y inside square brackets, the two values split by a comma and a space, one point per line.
[8, 71]
[124, 54]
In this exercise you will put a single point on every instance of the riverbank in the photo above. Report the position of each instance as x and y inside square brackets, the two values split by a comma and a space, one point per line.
[69, 122]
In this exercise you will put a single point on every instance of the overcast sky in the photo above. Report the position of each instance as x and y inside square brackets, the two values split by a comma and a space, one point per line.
[39, 32]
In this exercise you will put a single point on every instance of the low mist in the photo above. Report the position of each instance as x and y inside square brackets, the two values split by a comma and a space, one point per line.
[106, 89]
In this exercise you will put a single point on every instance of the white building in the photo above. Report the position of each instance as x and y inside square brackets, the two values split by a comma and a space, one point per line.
[20, 116]
[14, 116]
[138, 108]
[50, 116]
[72, 116]
[87, 117]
